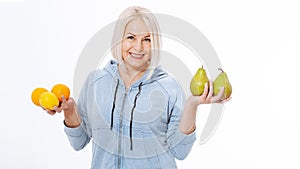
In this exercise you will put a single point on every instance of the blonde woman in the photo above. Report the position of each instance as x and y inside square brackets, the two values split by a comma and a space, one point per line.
[134, 113]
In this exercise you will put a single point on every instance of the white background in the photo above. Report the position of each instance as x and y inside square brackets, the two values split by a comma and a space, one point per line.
[257, 42]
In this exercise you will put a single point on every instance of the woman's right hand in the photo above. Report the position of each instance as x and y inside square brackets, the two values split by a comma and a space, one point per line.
[69, 108]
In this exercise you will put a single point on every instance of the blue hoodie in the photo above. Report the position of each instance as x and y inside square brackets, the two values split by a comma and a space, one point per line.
[135, 128]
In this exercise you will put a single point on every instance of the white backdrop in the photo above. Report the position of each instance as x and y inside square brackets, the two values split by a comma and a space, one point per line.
[257, 42]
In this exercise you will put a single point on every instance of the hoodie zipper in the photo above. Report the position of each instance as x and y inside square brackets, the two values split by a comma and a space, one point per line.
[121, 129]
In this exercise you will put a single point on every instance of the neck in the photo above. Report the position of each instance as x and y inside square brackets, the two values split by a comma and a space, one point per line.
[130, 76]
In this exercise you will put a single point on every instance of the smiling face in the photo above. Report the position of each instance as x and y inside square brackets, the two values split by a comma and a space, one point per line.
[136, 45]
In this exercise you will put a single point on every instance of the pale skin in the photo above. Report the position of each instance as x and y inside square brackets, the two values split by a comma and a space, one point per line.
[136, 47]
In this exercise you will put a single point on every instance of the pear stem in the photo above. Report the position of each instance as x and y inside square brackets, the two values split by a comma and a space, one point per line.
[221, 70]
[202, 67]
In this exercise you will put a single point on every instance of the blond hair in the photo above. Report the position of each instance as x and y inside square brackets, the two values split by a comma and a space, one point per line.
[150, 21]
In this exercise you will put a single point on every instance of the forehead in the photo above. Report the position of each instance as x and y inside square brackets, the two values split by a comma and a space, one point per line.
[136, 26]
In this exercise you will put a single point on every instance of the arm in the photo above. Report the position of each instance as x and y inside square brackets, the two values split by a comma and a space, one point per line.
[179, 143]
[76, 123]
[181, 134]
[188, 120]
[75, 128]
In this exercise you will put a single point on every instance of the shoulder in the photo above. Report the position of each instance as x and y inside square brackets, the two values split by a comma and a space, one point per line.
[96, 75]
[170, 85]
[107, 71]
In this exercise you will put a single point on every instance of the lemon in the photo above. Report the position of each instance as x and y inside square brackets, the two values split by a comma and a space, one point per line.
[48, 100]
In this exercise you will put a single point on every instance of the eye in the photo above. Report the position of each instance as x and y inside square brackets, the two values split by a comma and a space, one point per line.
[147, 39]
[130, 37]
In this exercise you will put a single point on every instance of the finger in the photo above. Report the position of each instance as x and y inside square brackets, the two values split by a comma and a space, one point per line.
[63, 99]
[217, 98]
[221, 93]
[57, 109]
[211, 89]
[210, 93]
[226, 100]
[71, 99]
[204, 94]
[51, 112]
[48, 111]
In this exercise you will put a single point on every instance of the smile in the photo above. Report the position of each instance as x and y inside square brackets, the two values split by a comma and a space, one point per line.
[136, 55]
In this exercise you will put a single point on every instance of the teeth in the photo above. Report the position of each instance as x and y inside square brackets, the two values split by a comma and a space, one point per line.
[136, 55]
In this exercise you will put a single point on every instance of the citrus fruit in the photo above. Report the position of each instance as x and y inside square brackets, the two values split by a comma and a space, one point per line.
[48, 100]
[36, 93]
[61, 90]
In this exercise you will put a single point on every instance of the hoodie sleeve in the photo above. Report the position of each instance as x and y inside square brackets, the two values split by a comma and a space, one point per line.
[180, 144]
[80, 136]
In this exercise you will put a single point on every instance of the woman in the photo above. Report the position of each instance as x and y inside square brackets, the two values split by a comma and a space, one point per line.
[133, 111]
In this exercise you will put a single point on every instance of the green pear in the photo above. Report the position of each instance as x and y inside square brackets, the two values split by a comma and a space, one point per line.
[222, 81]
[198, 82]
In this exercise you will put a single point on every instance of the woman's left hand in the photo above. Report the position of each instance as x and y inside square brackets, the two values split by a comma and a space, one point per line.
[207, 96]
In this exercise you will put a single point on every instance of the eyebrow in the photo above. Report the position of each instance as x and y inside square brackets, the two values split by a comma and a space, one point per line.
[131, 33]
[135, 35]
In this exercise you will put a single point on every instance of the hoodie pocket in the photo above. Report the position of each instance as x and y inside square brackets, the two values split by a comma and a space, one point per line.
[144, 150]
[151, 150]
[106, 139]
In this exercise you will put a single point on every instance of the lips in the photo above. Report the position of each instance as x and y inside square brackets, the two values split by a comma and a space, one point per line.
[136, 55]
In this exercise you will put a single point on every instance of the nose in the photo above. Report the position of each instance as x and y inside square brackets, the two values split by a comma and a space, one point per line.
[138, 46]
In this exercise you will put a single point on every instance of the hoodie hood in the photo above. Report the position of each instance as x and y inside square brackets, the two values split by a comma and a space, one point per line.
[158, 73]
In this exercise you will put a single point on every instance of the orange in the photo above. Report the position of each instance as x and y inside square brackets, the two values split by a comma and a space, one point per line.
[36, 93]
[61, 90]
[48, 100]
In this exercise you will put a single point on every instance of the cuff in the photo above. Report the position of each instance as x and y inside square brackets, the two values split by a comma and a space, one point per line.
[73, 132]
[182, 138]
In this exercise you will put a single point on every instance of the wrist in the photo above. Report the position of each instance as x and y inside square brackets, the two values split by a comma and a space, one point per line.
[70, 125]
[192, 102]
[72, 121]
[186, 130]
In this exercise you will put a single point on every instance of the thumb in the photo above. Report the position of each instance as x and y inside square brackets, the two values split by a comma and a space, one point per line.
[63, 99]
